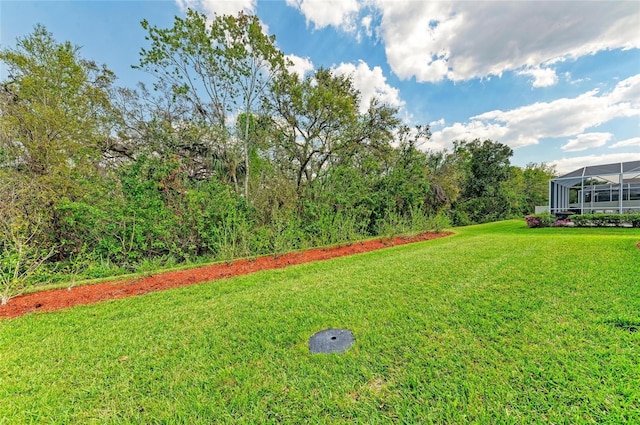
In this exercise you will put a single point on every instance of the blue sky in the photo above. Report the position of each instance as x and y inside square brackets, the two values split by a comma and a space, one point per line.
[557, 81]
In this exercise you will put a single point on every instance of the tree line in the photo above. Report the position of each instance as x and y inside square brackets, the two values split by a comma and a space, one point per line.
[228, 154]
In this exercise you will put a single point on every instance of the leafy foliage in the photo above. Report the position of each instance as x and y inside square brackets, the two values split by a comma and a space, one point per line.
[221, 69]
[22, 248]
[540, 220]
[315, 121]
[229, 155]
[53, 106]
[604, 220]
[486, 167]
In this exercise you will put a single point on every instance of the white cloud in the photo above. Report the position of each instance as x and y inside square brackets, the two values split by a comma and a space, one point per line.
[322, 13]
[366, 24]
[300, 65]
[586, 141]
[438, 123]
[627, 91]
[634, 141]
[219, 7]
[542, 77]
[565, 117]
[371, 83]
[474, 129]
[461, 40]
[567, 165]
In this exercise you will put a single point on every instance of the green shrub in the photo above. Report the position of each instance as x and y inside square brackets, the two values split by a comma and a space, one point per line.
[606, 220]
[438, 223]
[580, 220]
[635, 219]
[540, 220]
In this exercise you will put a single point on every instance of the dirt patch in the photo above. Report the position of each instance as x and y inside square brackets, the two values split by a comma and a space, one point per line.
[57, 299]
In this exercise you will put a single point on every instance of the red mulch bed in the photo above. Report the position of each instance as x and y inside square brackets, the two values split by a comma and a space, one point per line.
[57, 299]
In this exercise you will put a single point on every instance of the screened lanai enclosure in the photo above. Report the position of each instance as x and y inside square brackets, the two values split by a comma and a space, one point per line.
[609, 188]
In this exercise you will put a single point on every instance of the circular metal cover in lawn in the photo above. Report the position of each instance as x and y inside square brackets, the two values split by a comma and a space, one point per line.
[331, 341]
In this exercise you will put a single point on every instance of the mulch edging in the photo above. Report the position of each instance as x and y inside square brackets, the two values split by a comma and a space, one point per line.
[57, 299]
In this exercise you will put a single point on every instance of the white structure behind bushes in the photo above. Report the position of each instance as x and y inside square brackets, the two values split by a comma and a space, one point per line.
[609, 188]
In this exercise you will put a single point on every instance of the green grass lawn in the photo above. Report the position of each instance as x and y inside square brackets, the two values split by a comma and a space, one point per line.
[497, 324]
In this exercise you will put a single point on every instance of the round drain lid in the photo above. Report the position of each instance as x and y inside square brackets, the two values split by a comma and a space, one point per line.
[331, 341]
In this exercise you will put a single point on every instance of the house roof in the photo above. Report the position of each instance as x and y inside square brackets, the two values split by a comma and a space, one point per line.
[592, 171]
[605, 170]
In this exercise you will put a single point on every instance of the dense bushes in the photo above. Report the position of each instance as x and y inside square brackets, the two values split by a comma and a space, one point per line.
[111, 179]
[606, 220]
[585, 220]
[540, 220]
[154, 211]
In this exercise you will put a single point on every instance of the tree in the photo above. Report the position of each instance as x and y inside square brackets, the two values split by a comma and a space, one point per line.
[54, 107]
[486, 166]
[158, 124]
[536, 178]
[403, 189]
[513, 190]
[22, 250]
[221, 69]
[318, 124]
[445, 177]
[527, 187]
[53, 123]
[314, 117]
